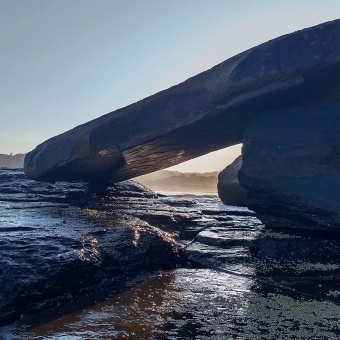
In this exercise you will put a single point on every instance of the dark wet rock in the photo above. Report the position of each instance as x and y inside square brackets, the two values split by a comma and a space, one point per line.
[98, 236]
[291, 162]
[205, 113]
[228, 188]
[62, 241]
[128, 188]
[295, 261]
[177, 201]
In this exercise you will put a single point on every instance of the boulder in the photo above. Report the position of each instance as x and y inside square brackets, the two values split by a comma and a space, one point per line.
[127, 188]
[229, 190]
[291, 167]
[205, 113]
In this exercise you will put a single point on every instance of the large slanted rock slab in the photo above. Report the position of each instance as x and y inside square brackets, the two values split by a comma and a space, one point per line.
[228, 187]
[205, 113]
[291, 167]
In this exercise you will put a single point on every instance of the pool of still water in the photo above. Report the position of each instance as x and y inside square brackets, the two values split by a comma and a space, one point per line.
[196, 304]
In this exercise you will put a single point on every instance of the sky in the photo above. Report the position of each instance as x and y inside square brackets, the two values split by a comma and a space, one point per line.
[65, 62]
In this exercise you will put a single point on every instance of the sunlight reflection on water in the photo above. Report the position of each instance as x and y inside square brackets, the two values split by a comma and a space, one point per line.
[197, 304]
[157, 307]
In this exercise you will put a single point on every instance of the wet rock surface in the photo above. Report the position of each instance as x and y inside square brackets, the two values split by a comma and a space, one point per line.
[228, 187]
[234, 277]
[63, 240]
[198, 304]
[291, 167]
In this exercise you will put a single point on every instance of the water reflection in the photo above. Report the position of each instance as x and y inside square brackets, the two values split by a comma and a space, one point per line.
[183, 302]
[198, 304]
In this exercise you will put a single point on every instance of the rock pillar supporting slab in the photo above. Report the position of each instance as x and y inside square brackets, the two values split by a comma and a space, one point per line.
[291, 166]
[228, 187]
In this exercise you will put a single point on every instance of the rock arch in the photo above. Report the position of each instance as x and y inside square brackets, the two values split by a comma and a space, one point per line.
[205, 113]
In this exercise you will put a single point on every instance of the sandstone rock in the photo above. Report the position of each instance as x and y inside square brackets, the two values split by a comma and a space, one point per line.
[291, 166]
[205, 113]
[229, 190]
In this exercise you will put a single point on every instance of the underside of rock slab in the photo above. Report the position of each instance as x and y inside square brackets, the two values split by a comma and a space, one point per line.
[205, 113]
[291, 167]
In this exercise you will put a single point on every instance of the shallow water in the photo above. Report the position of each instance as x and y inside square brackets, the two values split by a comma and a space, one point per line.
[189, 193]
[197, 304]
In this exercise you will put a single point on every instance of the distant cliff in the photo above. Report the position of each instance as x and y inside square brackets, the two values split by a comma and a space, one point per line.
[165, 180]
[12, 161]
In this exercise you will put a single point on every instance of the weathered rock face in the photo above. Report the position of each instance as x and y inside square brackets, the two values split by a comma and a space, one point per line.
[205, 113]
[291, 166]
[229, 190]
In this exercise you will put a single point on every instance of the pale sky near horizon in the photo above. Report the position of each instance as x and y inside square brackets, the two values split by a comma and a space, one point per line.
[66, 62]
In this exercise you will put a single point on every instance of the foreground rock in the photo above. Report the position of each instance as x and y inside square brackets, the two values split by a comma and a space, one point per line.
[63, 241]
[291, 167]
[228, 187]
[205, 113]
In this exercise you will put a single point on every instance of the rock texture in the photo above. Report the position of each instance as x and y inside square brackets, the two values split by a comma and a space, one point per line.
[62, 241]
[205, 113]
[291, 166]
[228, 187]
[98, 236]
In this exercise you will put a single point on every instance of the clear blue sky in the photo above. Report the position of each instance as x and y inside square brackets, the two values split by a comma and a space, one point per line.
[65, 62]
